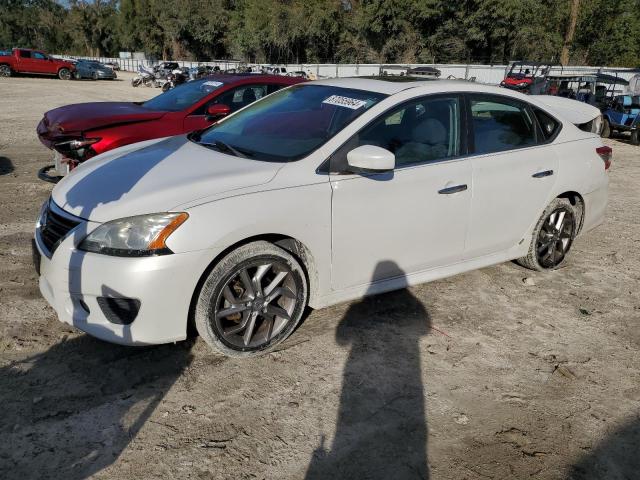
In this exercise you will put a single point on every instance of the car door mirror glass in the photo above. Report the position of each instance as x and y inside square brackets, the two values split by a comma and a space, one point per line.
[370, 159]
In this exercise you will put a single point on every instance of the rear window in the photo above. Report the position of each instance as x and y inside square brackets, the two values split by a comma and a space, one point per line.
[501, 124]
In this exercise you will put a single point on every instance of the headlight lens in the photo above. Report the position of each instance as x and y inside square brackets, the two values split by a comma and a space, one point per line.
[76, 144]
[140, 236]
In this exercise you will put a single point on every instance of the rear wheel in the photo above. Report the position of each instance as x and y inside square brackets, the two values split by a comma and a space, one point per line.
[5, 71]
[251, 300]
[635, 137]
[606, 129]
[552, 237]
[64, 74]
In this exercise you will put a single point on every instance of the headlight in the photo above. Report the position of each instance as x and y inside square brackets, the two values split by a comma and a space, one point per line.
[523, 84]
[76, 144]
[140, 236]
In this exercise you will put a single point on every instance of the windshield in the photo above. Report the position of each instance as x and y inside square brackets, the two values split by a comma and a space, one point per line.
[183, 96]
[289, 124]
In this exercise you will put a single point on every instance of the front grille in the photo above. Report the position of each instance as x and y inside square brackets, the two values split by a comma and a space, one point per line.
[55, 225]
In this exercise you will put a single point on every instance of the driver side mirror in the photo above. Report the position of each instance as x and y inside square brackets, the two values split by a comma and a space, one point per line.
[217, 111]
[370, 159]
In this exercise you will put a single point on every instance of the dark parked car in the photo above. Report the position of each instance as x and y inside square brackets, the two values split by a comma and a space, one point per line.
[113, 65]
[94, 70]
[81, 131]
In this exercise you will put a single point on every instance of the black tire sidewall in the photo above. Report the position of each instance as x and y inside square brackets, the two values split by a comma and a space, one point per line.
[222, 272]
[557, 204]
[61, 77]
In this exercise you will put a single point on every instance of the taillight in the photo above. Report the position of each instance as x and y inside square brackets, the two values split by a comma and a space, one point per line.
[605, 154]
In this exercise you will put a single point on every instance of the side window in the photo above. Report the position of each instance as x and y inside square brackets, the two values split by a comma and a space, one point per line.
[421, 131]
[548, 124]
[501, 125]
[242, 96]
[38, 56]
[25, 54]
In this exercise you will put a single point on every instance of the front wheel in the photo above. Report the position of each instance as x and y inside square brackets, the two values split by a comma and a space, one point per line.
[635, 137]
[251, 300]
[64, 74]
[552, 237]
[5, 71]
[136, 81]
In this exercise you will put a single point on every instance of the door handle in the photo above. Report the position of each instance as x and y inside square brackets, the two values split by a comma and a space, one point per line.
[545, 173]
[454, 189]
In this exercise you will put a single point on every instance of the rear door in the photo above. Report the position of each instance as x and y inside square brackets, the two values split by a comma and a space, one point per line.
[25, 63]
[514, 169]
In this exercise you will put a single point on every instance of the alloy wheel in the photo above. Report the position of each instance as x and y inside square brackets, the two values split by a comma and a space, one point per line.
[64, 74]
[256, 304]
[555, 237]
[5, 71]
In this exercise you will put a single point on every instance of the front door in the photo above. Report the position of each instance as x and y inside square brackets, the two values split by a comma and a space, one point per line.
[414, 218]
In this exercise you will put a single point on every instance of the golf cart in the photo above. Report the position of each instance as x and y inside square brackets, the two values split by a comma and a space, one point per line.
[620, 112]
[526, 77]
[622, 115]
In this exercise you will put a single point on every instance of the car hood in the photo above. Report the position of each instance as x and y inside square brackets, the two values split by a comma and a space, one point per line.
[80, 117]
[155, 176]
[574, 111]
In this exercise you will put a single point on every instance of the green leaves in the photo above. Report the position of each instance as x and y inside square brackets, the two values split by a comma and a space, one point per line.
[306, 31]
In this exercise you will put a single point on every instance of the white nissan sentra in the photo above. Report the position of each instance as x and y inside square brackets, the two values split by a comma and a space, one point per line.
[317, 194]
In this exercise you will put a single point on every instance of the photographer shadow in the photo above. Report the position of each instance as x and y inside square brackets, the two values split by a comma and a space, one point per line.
[381, 430]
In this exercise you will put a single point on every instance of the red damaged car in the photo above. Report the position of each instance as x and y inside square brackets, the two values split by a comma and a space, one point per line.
[81, 131]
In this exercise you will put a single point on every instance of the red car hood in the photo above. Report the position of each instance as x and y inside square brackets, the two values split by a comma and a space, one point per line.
[73, 120]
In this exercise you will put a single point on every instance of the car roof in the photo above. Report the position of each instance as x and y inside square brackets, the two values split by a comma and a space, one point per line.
[229, 79]
[393, 85]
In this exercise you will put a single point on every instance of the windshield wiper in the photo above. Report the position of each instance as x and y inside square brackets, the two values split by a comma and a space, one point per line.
[225, 148]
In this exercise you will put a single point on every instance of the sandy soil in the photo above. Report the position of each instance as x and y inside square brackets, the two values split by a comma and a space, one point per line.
[477, 376]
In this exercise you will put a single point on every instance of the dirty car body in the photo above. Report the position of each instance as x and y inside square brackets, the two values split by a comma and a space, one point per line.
[321, 193]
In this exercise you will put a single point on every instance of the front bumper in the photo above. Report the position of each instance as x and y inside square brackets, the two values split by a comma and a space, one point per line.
[72, 281]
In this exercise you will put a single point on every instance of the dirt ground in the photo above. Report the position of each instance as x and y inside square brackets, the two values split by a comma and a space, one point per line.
[482, 375]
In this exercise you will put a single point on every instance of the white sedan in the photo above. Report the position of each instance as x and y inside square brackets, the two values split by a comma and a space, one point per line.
[318, 194]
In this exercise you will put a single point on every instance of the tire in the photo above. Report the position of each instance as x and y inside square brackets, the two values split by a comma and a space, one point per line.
[635, 137]
[166, 86]
[135, 82]
[64, 74]
[94, 76]
[257, 319]
[549, 244]
[606, 129]
[5, 71]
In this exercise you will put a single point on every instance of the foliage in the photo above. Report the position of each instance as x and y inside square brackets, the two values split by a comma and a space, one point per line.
[294, 31]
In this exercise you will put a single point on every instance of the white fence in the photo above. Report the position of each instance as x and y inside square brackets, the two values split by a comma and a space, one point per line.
[490, 74]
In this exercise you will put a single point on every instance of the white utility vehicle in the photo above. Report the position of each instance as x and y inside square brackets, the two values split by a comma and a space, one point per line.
[316, 194]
